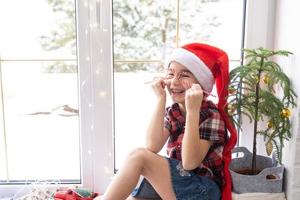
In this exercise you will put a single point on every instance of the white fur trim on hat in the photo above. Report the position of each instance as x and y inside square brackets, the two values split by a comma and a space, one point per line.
[196, 66]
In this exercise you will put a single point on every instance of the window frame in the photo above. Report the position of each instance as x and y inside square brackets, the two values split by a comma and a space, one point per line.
[94, 27]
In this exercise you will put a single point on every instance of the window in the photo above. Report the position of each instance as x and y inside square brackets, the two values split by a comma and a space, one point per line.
[39, 135]
[95, 75]
[93, 84]
[145, 32]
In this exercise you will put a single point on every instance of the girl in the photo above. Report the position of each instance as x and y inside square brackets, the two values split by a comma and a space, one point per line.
[199, 149]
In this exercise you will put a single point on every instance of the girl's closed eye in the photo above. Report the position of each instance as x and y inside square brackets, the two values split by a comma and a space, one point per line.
[181, 75]
[170, 75]
[184, 75]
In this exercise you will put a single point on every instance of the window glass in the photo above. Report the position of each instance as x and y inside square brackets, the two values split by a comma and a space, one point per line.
[39, 97]
[143, 29]
[134, 103]
[37, 29]
[217, 22]
[145, 32]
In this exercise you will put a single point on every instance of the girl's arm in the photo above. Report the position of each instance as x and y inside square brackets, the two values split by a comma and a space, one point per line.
[194, 149]
[157, 135]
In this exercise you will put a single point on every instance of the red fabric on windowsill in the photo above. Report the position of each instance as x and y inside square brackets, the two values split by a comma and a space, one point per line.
[71, 195]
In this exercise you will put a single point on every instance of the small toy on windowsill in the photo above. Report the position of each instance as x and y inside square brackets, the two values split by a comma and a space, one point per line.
[75, 194]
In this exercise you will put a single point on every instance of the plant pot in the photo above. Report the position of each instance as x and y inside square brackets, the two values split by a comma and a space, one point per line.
[269, 180]
[259, 196]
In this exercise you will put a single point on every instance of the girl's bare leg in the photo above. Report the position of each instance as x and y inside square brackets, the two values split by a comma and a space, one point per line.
[141, 162]
[133, 198]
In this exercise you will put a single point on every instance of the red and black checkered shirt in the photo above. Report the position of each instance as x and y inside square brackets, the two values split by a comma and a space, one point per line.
[211, 127]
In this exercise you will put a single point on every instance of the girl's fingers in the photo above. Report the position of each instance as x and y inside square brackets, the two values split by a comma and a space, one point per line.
[163, 83]
[167, 81]
[196, 87]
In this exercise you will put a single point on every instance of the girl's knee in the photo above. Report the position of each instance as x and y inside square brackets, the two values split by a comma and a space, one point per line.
[138, 154]
[141, 158]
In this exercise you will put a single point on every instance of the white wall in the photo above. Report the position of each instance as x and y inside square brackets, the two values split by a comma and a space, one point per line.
[287, 32]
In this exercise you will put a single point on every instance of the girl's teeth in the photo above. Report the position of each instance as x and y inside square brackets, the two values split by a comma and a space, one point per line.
[177, 91]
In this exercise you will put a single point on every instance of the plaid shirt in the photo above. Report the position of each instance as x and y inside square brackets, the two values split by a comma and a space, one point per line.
[211, 127]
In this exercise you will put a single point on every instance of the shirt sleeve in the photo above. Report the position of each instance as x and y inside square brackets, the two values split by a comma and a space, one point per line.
[213, 128]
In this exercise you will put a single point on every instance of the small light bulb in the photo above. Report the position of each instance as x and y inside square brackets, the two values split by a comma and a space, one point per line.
[95, 25]
[102, 94]
[106, 170]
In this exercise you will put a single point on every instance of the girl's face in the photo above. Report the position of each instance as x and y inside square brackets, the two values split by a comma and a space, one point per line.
[178, 80]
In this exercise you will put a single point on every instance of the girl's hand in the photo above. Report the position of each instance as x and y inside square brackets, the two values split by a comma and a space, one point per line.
[158, 86]
[193, 98]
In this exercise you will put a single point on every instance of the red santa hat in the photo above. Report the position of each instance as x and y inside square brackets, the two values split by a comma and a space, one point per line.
[210, 66]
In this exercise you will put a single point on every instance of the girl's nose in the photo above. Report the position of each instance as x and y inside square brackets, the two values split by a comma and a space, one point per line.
[175, 80]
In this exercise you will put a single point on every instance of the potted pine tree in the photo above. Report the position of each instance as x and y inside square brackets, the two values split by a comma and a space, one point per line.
[261, 91]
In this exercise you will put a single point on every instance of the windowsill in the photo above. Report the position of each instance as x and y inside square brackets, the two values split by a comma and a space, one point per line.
[8, 192]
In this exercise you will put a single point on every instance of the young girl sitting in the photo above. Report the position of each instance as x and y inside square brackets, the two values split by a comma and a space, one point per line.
[199, 147]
